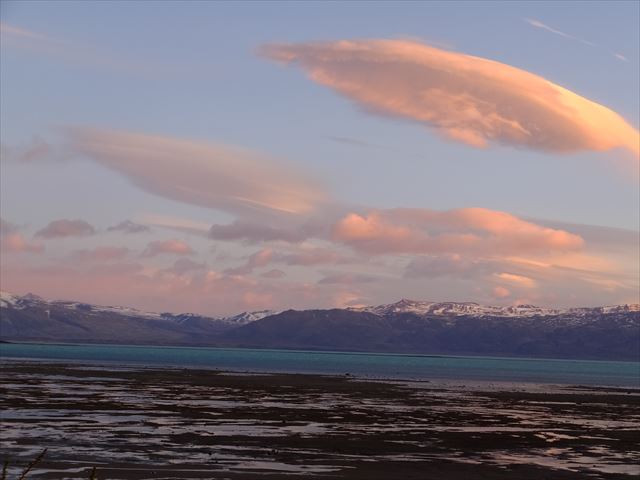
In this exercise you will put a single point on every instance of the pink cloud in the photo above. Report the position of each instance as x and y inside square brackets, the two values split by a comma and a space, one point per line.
[17, 243]
[469, 99]
[501, 292]
[517, 280]
[453, 231]
[171, 247]
[204, 174]
[66, 228]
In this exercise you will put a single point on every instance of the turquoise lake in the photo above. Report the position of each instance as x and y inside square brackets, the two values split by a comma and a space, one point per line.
[368, 365]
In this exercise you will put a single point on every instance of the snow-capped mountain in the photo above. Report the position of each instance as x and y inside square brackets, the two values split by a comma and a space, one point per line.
[18, 302]
[477, 310]
[407, 326]
[248, 317]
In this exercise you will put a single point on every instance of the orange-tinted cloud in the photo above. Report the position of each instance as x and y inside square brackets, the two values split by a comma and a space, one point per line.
[171, 247]
[469, 99]
[501, 292]
[209, 175]
[66, 228]
[16, 243]
[423, 231]
[517, 280]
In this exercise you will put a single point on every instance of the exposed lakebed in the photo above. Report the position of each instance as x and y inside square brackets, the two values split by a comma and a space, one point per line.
[143, 423]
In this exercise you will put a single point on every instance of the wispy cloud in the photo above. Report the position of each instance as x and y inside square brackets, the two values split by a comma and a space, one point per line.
[174, 223]
[127, 226]
[75, 52]
[468, 99]
[538, 24]
[171, 247]
[215, 176]
[18, 32]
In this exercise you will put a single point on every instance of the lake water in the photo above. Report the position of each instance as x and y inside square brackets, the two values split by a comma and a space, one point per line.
[367, 365]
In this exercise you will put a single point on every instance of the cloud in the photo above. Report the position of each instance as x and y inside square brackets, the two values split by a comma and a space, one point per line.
[127, 226]
[311, 256]
[469, 99]
[204, 174]
[538, 24]
[37, 149]
[66, 228]
[304, 256]
[257, 233]
[346, 279]
[517, 280]
[12, 241]
[433, 266]
[175, 223]
[274, 273]
[501, 292]
[99, 254]
[172, 247]
[467, 230]
[261, 258]
[76, 52]
[18, 32]
[185, 265]
[17, 243]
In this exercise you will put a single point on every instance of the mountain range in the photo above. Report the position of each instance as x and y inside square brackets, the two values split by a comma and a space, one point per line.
[407, 326]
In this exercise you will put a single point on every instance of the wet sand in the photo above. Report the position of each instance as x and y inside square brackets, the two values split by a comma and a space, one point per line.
[153, 423]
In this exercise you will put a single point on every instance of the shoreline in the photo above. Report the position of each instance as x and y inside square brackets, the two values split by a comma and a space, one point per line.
[319, 351]
[453, 383]
[384, 366]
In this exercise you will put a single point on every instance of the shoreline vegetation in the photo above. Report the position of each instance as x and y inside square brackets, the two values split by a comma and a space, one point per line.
[144, 423]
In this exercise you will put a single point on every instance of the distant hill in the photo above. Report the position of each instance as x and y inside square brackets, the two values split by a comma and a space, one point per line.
[407, 326]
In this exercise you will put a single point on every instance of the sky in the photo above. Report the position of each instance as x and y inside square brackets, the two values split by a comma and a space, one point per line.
[218, 157]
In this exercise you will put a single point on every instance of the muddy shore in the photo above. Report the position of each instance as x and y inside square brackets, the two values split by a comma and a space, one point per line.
[155, 423]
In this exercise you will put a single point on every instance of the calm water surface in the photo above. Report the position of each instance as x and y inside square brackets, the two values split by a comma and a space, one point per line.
[584, 372]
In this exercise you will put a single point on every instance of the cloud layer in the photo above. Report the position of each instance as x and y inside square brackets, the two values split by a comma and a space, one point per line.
[467, 230]
[469, 99]
[208, 175]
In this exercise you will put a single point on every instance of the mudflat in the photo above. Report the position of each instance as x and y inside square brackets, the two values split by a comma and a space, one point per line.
[168, 423]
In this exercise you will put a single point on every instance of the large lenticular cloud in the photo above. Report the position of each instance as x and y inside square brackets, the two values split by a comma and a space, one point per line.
[204, 174]
[469, 99]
